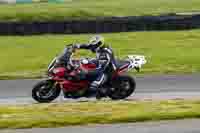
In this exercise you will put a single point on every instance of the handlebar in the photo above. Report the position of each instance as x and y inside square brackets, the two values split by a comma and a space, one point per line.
[71, 49]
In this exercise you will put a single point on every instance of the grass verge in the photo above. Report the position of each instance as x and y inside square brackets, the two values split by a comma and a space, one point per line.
[166, 52]
[78, 9]
[101, 112]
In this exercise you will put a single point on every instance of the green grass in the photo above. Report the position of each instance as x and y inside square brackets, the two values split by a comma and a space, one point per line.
[65, 114]
[94, 8]
[166, 52]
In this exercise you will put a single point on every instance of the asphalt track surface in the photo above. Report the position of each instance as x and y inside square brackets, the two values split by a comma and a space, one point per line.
[178, 126]
[148, 87]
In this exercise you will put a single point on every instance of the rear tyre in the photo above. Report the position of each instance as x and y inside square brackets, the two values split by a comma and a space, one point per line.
[45, 91]
[122, 87]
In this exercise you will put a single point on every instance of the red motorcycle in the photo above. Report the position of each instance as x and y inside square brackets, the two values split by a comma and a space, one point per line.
[117, 85]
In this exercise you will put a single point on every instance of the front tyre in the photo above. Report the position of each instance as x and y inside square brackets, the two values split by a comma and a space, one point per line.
[122, 87]
[45, 91]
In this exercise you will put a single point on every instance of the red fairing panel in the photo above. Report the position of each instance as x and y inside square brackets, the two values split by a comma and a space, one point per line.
[89, 66]
[73, 86]
[59, 72]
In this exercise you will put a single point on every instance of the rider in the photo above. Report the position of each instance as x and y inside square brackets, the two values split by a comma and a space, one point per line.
[105, 59]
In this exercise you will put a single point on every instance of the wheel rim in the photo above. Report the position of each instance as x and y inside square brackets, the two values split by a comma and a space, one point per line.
[46, 91]
[122, 90]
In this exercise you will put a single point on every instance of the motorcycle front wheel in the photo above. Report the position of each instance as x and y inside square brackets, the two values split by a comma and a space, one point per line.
[122, 87]
[45, 91]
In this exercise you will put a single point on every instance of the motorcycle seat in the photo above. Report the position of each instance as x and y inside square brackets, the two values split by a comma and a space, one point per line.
[121, 63]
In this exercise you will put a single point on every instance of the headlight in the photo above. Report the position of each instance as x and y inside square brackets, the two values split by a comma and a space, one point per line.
[84, 61]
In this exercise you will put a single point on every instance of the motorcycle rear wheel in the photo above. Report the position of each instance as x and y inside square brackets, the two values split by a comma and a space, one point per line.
[45, 91]
[122, 87]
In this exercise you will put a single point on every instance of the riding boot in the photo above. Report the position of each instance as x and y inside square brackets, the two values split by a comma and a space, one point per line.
[93, 91]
